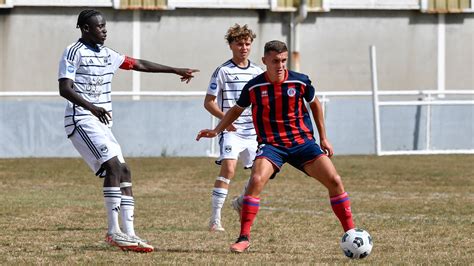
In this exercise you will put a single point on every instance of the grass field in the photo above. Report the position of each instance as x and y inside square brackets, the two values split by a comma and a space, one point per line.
[418, 209]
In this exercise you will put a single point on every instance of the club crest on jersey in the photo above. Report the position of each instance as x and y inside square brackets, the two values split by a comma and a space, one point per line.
[228, 148]
[291, 92]
[104, 149]
[70, 69]
[213, 86]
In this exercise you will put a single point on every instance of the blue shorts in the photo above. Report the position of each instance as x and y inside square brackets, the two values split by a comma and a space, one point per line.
[296, 156]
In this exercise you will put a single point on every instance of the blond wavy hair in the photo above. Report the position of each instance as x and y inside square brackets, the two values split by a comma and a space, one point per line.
[237, 33]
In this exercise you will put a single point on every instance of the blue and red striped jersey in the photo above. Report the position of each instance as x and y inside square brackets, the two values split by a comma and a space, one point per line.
[279, 114]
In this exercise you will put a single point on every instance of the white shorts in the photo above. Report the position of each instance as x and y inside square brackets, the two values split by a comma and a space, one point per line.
[96, 144]
[233, 146]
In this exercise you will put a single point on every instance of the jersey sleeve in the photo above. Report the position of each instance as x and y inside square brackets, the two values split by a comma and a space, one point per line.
[116, 59]
[68, 65]
[310, 91]
[216, 82]
[244, 99]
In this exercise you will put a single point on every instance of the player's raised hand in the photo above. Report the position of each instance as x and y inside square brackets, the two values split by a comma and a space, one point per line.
[206, 133]
[327, 147]
[186, 73]
[102, 114]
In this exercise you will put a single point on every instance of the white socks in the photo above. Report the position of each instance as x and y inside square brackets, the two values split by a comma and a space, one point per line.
[218, 197]
[116, 203]
[112, 198]
[127, 207]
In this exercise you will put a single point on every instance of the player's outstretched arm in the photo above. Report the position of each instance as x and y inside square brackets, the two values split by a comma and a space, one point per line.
[317, 111]
[66, 90]
[226, 121]
[146, 66]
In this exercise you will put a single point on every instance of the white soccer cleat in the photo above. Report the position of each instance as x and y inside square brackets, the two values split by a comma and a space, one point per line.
[237, 205]
[122, 241]
[143, 245]
[215, 226]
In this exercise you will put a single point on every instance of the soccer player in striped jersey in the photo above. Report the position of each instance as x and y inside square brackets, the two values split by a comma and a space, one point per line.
[85, 74]
[238, 140]
[285, 134]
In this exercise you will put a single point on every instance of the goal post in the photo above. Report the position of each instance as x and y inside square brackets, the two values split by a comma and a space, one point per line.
[426, 99]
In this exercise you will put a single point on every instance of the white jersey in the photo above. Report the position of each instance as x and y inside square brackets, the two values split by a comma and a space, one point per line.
[226, 84]
[92, 70]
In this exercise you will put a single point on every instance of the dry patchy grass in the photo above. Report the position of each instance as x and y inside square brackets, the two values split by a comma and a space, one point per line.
[417, 208]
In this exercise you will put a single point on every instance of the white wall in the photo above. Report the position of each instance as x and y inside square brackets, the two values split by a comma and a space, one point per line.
[333, 46]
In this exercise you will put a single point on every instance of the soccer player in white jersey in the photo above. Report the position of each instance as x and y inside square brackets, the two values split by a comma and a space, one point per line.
[85, 74]
[239, 140]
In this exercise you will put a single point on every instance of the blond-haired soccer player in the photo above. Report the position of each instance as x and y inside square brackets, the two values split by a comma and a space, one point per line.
[238, 140]
[86, 69]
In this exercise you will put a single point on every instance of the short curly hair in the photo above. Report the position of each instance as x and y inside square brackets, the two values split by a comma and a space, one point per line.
[237, 33]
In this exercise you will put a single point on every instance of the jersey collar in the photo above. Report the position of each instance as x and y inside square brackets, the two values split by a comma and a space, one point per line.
[95, 48]
[248, 65]
[277, 83]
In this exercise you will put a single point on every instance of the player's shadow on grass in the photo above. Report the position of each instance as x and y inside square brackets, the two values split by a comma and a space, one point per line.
[190, 250]
[218, 251]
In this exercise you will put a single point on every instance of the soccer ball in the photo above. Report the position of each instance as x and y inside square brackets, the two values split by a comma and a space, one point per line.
[356, 243]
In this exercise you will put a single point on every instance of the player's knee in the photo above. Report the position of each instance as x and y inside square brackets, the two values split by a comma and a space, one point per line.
[335, 182]
[126, 174]
[227, 170]
[255, 185]
[229, 173]
[112, 168]
[257, 180]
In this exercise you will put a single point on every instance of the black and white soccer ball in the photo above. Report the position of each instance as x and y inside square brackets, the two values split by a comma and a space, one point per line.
[356, 243]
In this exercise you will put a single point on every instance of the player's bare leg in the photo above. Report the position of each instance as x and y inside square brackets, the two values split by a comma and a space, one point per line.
[219, 193]
[261, 172]
[323, 170]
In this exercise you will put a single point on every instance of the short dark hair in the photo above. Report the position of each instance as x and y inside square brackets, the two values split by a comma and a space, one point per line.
[275, 45]
[85, 15]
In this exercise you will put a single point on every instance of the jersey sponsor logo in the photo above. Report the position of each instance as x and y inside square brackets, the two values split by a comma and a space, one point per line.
[291, 92]
[213, 86]
[236, 78]
[94, 88]
[91, 61]
[264, 93]
[70, 69]
[228, 148]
